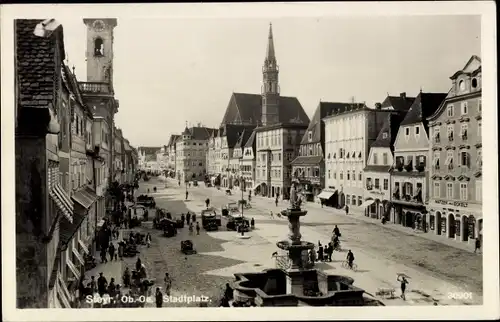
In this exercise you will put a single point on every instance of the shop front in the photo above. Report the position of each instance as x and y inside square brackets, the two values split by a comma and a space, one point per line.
[329, 197]
[409, 214]
[456, 220]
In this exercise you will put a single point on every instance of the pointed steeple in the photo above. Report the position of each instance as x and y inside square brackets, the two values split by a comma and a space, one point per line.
[270, 54]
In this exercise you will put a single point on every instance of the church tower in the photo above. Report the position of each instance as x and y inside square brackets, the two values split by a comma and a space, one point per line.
[270, 87]
[99, 54]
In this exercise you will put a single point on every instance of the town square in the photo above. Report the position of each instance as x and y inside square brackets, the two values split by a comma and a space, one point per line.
[253, 163]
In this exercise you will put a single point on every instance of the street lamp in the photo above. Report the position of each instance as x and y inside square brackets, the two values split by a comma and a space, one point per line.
[242, 188]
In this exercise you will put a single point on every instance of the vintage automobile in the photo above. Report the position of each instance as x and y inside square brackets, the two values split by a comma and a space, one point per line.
[235, 221]
[187, 247]
[210, 220]
[146, 201]
[230, 208]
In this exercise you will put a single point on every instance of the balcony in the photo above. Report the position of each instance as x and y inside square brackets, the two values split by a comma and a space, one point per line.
[95, 88]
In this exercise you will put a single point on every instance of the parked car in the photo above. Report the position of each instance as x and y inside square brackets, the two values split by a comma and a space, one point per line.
[235, 221]
[209, 218]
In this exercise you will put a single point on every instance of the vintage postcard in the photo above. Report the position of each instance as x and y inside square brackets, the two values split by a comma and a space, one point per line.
[249, 161]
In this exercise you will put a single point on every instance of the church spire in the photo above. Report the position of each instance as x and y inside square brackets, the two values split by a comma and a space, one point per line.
[270, 54]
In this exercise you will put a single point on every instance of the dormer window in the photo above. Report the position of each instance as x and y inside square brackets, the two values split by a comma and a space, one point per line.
[309, 135]
[384, 135]
[98, 47]
[461, 85]
[474, 83]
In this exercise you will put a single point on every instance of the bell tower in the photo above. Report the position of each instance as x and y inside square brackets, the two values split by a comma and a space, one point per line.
[270, 87]
[99, 53]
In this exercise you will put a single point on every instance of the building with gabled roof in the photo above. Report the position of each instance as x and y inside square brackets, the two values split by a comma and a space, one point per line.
[455, 175]
[241, 177]
[309, 165]
[350, 129]
[409, 176]
[248, 164]
[171, 148]
[191, 151]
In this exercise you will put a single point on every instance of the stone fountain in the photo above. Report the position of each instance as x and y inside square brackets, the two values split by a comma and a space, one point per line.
[295, 281]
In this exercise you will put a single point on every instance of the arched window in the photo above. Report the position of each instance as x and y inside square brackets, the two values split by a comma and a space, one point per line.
[98, 47]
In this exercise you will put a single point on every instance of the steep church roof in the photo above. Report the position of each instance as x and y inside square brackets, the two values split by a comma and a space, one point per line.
[246, 108]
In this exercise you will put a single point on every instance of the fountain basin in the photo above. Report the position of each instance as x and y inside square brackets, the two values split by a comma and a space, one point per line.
[301, 245]
[269, 288]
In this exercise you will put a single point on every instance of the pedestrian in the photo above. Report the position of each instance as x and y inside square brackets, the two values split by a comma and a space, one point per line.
[321, 255]
[207, 202]
[477, 245]
[183, 218]
[190, 228]
[138, 265]
[126, 277]
[168, 284]
[276, 201]
[193, 217]
[148, 240]
[188, 218]
[159, 297]
[403, 282]
[312, 255]
[111, 251]
[92, 285]
[112, 287]
[346, 210]
[329, 251]
[252, 223]
[350, 258]
[187, 195]
[101, 285]
[103, 255]
[197, 228]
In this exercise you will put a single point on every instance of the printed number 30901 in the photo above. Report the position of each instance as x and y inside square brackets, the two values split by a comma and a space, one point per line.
[460, 295]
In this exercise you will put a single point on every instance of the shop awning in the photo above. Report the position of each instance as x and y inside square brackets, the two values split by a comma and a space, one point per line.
[83, 246]
[63, 292]
[85, 197]
[367, 203]
[78, 256]
[73, 268]
[62, 201]
[326, 194]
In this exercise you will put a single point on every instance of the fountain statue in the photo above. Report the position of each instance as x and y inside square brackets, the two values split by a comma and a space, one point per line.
[293, 245]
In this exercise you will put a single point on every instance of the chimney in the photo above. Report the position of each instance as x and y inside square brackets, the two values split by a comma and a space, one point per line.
[403, 95]
[378, 106]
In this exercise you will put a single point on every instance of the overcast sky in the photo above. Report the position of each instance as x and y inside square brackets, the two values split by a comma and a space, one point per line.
[170, 70]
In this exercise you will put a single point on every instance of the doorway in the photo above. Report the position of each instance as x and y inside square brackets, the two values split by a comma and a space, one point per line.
[451, 226]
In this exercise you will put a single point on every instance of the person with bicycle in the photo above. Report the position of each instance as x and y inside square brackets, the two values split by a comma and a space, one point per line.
[350, 258]
[336, 231]
[336, 243]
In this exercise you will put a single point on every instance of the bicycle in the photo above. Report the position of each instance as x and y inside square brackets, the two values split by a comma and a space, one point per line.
[345, 264]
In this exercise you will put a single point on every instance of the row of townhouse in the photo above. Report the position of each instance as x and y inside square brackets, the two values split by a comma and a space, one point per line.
[150, 159]
[64, 162]
[416, 162]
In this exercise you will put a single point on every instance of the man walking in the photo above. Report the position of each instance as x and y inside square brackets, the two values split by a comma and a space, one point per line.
[197, 228]
[159, 297]
[168, 284]
[102, 283]
[346, 209]
[477, 245]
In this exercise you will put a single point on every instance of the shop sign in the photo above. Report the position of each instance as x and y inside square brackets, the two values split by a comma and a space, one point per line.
[453, 203]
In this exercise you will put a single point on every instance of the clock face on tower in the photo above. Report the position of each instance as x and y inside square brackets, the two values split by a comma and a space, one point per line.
[98, 25]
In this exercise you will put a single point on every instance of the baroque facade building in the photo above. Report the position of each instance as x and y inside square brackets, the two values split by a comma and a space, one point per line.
[409, 177]
[349, 131]
[455, 206]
